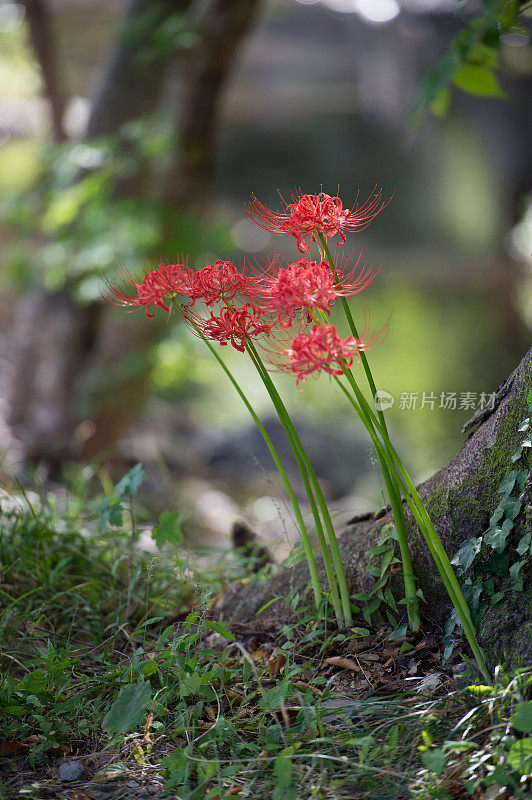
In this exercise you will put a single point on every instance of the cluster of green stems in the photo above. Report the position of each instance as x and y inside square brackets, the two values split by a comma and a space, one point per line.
[400, 488]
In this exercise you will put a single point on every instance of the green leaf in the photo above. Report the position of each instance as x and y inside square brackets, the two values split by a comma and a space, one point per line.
[441, 103]
[522, 478]
[478, 80]
[360, 631]
[520, 756]
[434, 760]
[109, 514]
[521, 719]
[131, 481]
[467, 552]
[191, 684]
[516, 568]
[219, 627]
[508, 483]
[272, 699]
[128, 709]
[399, 633]
[496, 538]
[168, 529]
[525, 425]
[497, 515]
[285, 788]
[511, 507]
[524, 543]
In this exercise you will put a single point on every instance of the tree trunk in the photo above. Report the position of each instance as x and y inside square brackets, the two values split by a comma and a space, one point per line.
[220, 26]
[42, 41]
[460, 498]
[131, 88]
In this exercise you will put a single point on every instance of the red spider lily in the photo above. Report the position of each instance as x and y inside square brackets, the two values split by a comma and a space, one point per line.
[310, 214]
[154, 287]
[217, 282]
[232, 325]
[306, 284]
[322, 349]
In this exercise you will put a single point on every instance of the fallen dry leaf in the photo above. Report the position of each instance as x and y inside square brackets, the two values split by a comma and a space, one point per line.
[233, 790]
[259, 655]
[11, 748]
[275, 663]
[343, 663]
[303, 685]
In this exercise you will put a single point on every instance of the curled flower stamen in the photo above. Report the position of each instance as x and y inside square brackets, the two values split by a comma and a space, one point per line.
[306, 285]
[308, 215]
[231, 326]
[321, 349]
[153, 288]
[218, 282]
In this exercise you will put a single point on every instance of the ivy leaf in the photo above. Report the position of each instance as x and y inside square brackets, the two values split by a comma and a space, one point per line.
[524, 544]
[168, 529]
[496, 516]
[466, 554]
[131, 481]
[508, 483]
[511, 508]
[496, 538]
[128, 709]
[516, 568]
[522, 478]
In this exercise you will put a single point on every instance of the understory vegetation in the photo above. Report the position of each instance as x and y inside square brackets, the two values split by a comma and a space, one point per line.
[111, 656]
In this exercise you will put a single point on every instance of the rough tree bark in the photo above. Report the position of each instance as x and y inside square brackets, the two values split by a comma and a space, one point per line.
[460, 498]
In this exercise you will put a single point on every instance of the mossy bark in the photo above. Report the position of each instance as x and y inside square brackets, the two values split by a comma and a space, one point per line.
[460, 498]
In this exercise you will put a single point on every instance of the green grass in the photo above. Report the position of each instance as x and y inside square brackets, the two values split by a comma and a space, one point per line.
[168, 696]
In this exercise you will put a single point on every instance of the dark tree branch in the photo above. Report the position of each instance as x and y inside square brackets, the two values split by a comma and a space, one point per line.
[38, 16]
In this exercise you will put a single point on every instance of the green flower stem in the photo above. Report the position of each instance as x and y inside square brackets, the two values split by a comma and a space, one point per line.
[427, 529]
[297, 445]
[288, 427]
[307, 546]
[390, 479]
[394, 494]
[353, 329]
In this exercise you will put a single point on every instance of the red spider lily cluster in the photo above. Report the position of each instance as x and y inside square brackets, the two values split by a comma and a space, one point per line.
[310, 214]
[264, 303]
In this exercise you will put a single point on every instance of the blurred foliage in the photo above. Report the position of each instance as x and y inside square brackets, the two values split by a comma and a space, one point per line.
[471, 58]
[76, 223]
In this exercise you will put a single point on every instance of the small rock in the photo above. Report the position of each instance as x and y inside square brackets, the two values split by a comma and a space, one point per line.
[71, 771]
[102, 793]
[132, 784]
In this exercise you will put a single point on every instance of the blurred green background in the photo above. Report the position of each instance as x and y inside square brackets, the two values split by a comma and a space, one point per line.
[169, 115]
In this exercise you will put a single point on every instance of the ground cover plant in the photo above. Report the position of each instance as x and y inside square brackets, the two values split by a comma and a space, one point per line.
[111, 663]
[279, 316]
